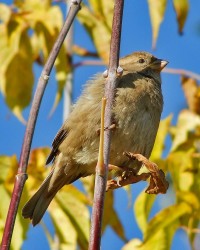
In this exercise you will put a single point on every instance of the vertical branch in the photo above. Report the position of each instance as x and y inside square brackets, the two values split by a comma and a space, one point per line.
[21, 175]
[67, 95]
[111, 83]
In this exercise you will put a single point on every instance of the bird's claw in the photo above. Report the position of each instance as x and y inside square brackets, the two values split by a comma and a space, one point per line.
[127, 177]
[111, 127]
[158, 183]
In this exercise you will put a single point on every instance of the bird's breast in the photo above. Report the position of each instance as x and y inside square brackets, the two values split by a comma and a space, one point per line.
[137, 119]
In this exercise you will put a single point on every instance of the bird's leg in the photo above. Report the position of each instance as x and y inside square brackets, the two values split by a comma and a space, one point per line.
[158, 183]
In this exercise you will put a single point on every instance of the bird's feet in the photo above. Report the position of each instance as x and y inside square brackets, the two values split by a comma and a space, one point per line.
[111, 127]
[158, 183]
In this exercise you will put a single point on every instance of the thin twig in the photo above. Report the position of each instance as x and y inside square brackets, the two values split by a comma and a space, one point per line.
[67, 95]
[80, 51]
[182, 72]
[111, 83]
[21, 175]
[191, 230]
[88, 63]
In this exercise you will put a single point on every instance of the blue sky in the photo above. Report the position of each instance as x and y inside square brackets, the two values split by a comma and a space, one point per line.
[180, 51]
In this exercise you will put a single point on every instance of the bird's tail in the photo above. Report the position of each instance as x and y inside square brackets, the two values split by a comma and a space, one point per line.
[39, 202]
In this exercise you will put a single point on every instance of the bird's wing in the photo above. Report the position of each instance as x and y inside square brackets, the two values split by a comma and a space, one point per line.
[60, 136]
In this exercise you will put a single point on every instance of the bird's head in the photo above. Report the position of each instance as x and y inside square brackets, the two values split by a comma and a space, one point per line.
[141, 62]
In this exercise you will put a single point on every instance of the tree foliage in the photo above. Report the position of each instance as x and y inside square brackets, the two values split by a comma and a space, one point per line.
[28, 30]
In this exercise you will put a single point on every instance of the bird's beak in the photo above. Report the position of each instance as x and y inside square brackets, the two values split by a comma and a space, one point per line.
[158, 64]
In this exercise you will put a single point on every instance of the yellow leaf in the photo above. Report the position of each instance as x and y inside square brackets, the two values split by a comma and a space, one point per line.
[64, 228]
[133, 244]
[32, 4]
[8, 171]
[103, 10]
[160, 138]
[161, 240]
[189, 198]
[96, 6]
[112, 221]
[63, 68]
[98, 30]
[142, 209]
[184, 169]
[36, 168]
[5, 12]
[162, 219]
[157, 11]
[78, 213]
[46, 29]
[181, 7]
[110, 217]
[187, 122]
[192, 93]
[107, 9]
[68, 210]
[16, 66]
[88, 184]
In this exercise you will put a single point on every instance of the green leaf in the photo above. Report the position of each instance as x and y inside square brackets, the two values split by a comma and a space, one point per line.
[142, 209]
[157, 11]
[181, 7]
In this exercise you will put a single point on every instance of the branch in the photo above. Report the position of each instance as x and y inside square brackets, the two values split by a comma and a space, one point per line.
[42, 82]
[67, 95]
[88, 63]
[111, 83]
[182, 72]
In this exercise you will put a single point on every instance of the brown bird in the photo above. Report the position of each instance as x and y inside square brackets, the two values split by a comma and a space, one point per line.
[136, 115]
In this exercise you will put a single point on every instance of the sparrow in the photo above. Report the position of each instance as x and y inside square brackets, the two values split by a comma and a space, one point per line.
[136, 115]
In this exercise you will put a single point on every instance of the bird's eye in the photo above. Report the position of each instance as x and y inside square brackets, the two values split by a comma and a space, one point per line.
[141, 60]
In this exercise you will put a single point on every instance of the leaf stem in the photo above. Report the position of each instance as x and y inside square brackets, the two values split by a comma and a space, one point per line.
[100, 165]
[25, 151]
